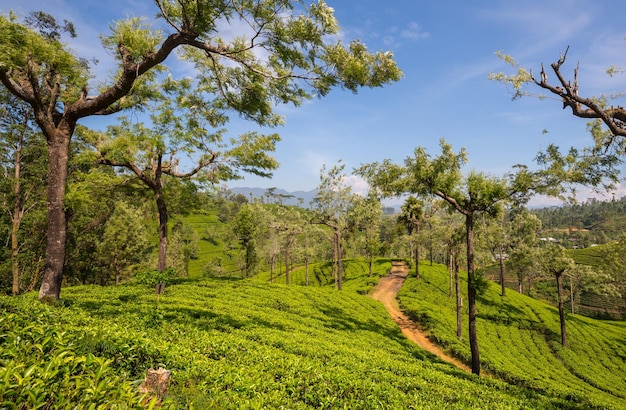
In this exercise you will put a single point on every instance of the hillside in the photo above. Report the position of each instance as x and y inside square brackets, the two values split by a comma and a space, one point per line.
[520, 342]
[590, 304]
[586, 223]
[253, 344]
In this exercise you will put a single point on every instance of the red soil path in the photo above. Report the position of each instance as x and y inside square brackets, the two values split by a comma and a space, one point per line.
[386, 292]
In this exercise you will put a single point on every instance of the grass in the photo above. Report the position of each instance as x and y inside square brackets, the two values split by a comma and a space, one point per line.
[519, 341]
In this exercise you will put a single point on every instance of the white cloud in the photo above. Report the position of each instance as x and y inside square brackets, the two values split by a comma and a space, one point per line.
[359, 185]
[414, 32]
[583, 194]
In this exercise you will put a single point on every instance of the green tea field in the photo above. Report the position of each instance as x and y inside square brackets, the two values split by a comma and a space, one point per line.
[252, 344]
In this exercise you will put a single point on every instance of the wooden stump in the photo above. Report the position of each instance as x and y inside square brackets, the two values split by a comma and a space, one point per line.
[155, 383]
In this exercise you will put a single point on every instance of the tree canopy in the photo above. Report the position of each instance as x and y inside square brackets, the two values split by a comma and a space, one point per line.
[285, 53]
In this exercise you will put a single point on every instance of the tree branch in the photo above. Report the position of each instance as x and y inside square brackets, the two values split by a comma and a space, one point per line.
[132, 167]
[201, 164]
[614, 117]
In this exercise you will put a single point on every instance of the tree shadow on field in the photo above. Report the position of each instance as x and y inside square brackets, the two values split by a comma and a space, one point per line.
[501, 307]
[338, 319]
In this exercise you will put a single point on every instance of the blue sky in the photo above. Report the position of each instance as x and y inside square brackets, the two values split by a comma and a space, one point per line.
[446, 50]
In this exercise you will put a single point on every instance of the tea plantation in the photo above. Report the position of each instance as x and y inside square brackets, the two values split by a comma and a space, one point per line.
[252, 344]
[519, 340]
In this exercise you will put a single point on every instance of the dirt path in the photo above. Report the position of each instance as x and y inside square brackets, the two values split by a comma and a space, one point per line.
[386, 292]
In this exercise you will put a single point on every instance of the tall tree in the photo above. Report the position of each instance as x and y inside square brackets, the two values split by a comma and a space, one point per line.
[248, 227]
[411, 214]
[523, 241]
[22, 168]
[366, 216]
[510, 237]
[331, 206]
[557, 263]
[176, 136]
[289, 224]
[472, 195]
[283, 55]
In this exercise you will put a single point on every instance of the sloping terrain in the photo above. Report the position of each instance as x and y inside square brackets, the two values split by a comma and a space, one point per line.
[231, 344]
[519, 341]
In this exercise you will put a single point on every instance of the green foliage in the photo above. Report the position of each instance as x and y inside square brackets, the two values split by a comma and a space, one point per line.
[45, 365]
[29, 53]
[247, 344]
[520, 342]
[152, 277]
[124, 243]
[135, 36]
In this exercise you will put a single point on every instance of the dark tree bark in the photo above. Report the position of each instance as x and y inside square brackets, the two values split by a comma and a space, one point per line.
[459, 299]
[339, 260]
[471, 293]
[450, 273]
[588, 108]
[559, 286]
[16, 217]
[503, 290]
[163, 218]
[58, 154]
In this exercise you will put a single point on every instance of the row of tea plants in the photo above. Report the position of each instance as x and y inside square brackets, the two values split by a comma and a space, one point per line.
[519, 339]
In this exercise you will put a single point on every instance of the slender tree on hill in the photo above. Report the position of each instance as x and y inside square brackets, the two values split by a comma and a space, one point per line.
[284, 55]
[177, 135]
[411, 215]
[366, 216]
[22, 168]
[330, 208]
[557, 263]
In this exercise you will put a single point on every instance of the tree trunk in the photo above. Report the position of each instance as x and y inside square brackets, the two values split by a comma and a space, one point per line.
[571, 292]
[459, 298]
[559, 287]
[306, 272]
[16, 218]
[502, 272]
[450, 273]
[417, 253]
[339, 261]
[162, 208]
[471, 294]
[15, 266]
[287, 278]
[58, 155]
[430, 243]
[118, 274]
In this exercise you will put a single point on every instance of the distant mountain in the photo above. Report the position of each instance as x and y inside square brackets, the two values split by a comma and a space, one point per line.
[276, 195]
[281, 196]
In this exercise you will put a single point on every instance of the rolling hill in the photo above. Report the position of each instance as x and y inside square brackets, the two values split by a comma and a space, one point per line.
[254, 344]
